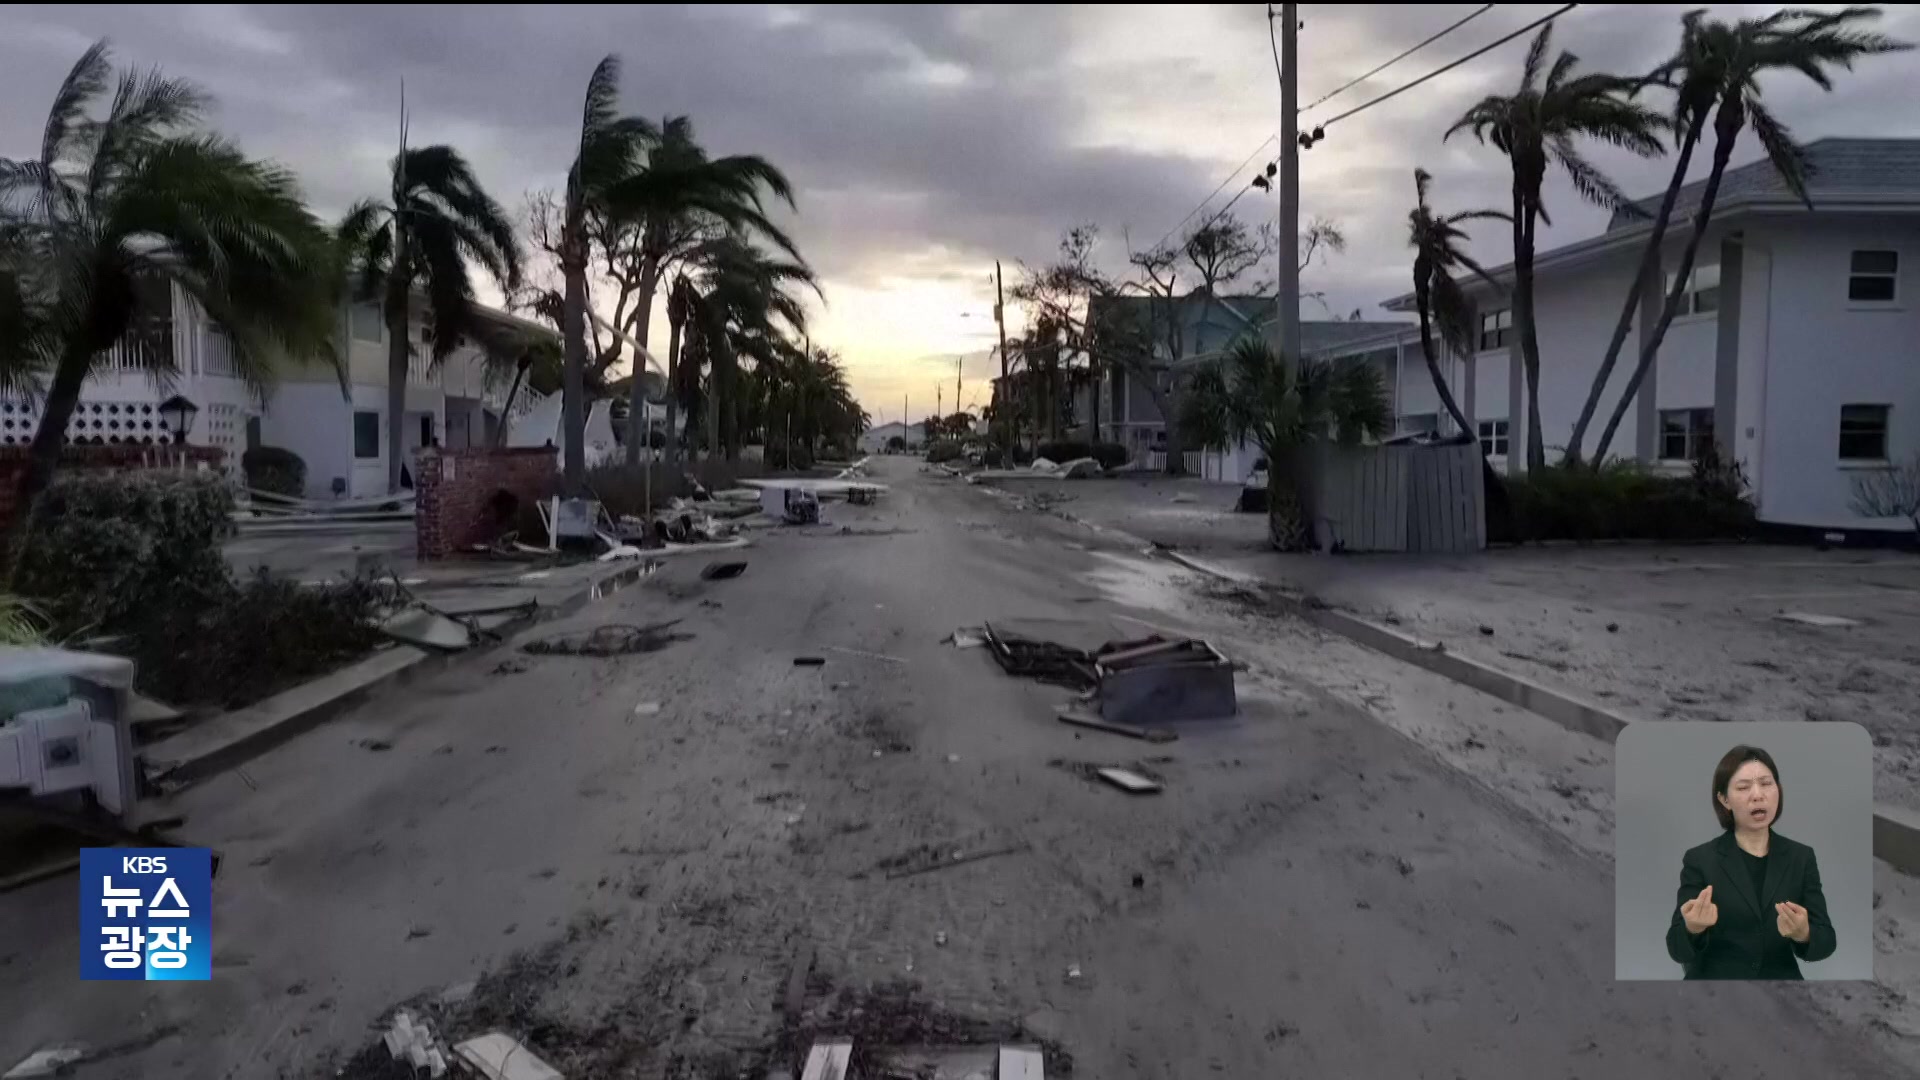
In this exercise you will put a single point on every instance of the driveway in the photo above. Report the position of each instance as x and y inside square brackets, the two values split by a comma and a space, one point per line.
[1371, 872]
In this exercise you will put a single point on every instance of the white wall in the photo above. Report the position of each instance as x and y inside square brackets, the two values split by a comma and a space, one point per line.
[1574, 316]
[312, 420]
[1822, 352]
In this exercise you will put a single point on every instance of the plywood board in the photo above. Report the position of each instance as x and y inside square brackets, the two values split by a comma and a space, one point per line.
[828, 1061]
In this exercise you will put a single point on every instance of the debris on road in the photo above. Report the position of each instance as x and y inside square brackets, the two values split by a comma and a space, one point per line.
[795, 506]
[1808, 618]
[1080, 718]
[720, 571]
[497, 1056]
[1138, 683]
[510, 667]
[614, 639]
[646, 708]
[410, 1040]
[928, 858]
[828, 1060]
[809, 661]
[865, 655]
[967, 637]
[51, 1061]
[1128, 781]
[374, 744]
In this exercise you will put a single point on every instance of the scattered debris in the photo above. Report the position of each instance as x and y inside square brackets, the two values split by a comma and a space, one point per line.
[419, 625]
[497, 1056]
[509, 667]
[614, 639]
[1128, 781]
[51, 1061]
[940, 938]
[1486, 631]
[1073, 972]
[827, 1060]
[374, 744]
[1613, 628]
[795, 506]
[866, 655]
[1182, 498]
[419, 932]
[410, 1040]
[966, 638]
[796, 996]
[896, 868]
[621, 551]
[1139, 881]
[646, 708]
[1164, 680]
[1021, 1063]
[720, 571]
[1079, 718]
[1808, 618]
[809, 661]
[953, 759]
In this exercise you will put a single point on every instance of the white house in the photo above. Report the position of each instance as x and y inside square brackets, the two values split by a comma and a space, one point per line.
[1797, 352]
[342, 438]
[874, 439]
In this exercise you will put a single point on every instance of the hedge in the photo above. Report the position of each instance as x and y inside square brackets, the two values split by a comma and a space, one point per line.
[1624, 501]
[275, 469]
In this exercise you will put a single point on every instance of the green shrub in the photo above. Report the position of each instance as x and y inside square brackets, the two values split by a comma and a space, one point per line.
[942, 450]
[272, 468]
[1627, 501]
[130, 563]
[106, 544]
[1110, 455]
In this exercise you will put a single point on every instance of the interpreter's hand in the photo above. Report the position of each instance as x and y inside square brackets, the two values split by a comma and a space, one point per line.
[1792, 921]
[1699, 912]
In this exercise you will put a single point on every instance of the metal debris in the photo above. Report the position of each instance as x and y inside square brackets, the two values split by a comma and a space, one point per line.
[497, 1056]
[1129, 781]
[718, 571]
[864, 654]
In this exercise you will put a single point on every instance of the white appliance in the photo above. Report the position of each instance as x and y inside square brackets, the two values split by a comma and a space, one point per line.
[63, 727]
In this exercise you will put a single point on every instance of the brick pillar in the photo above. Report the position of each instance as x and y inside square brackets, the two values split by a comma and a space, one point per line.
[454, 492]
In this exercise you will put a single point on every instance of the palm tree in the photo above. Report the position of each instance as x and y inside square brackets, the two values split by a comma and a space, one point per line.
[611, 148]
[122, 208]
[1439, 246]
[1534, 127]
[1254, 394]
[438, 220]
[739, 296]
[682, 198]
[1719, 66]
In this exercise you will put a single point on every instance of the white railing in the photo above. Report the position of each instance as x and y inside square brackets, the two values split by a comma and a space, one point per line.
[138, 353]
[216, 353]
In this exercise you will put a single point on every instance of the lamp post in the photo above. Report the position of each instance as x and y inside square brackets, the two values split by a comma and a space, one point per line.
[177, 414]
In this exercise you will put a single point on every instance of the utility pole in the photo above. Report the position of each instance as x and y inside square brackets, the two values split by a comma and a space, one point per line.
[1006, 385]
[958, 363]
[1289, 291]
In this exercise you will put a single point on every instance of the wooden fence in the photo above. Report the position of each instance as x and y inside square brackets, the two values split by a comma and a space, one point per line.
[1404, 498]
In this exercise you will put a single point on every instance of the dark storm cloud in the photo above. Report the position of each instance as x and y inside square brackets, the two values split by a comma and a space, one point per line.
[920, 138]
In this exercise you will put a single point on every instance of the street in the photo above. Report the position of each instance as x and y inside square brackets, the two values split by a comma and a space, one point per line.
[1323, 888]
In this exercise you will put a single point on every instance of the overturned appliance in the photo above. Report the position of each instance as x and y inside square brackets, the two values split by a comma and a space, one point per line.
[795, 506]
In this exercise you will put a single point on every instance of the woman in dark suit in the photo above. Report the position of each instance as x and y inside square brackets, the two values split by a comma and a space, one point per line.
[1750, 901]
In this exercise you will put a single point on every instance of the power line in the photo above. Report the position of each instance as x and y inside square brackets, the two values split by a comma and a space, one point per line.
[1344, 87]
[1271, 15]
[1482, 51]
[1277, 73]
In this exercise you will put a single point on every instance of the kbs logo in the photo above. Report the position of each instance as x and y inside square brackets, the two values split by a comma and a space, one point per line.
[143, 913]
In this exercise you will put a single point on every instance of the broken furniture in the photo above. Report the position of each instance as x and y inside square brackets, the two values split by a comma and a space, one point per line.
[1136, 686]
[793, 505]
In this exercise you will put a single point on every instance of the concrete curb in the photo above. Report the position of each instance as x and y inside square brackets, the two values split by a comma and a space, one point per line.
[1896, 832]
[236, 737]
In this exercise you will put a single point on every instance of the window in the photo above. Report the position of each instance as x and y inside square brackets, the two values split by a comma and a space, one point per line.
[366, 434]
[366, 323]
[1493, 438]
[1496, 327]
[426, 429]
[1685, 434]
[1873, 277]
[1428, 423]
[1863, 432]
[1703, 291]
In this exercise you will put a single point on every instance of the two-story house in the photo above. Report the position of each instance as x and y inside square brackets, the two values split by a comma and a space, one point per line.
[341, 437]
[1796, 351]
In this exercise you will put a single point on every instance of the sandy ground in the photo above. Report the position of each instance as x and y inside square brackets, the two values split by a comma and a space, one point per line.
[1653, 632]
[1370, 872]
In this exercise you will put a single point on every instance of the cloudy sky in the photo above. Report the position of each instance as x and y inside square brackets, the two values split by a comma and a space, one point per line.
[925, 141]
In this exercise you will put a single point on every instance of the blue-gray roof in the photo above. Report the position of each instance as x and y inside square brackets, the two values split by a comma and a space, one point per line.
[1837, 167]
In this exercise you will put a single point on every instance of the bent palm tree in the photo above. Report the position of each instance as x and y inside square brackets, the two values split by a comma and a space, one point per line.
[611, 148]
[682, 198]
[1536, 127]
[1438, 245]
[739, 293]
[438, 220]
[1254, 394]
[121, 206]
[1719, 65]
